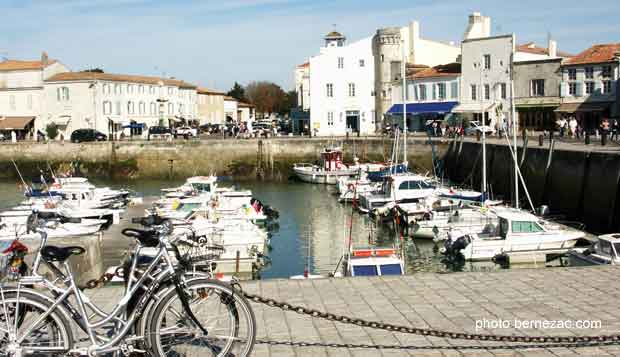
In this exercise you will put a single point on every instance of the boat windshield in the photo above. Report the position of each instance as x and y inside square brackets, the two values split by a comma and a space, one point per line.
[605, 248]
[391, 269]
[503, 227]
[201, 187]
[617, 248]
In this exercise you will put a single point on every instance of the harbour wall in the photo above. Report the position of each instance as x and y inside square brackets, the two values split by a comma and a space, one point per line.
[577, 185]
[269, 159]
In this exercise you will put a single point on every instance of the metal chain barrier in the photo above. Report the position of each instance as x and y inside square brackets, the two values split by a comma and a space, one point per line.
[572, 340]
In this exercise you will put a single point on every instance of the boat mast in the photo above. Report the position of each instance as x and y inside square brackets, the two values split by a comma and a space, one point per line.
[404, 75]
[514, 124]
[484, 138]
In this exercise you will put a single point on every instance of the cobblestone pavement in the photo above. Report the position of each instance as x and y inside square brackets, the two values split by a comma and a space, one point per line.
[454, 302]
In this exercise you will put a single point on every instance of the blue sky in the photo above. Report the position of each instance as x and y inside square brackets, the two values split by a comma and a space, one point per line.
[214, 43]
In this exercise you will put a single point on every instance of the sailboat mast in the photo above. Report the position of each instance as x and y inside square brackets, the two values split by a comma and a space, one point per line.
[404, 75]
[484, 138]
[514, 127]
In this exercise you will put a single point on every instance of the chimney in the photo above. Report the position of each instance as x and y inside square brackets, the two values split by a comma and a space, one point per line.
[44, 59]
[553, 48]
[478, 27]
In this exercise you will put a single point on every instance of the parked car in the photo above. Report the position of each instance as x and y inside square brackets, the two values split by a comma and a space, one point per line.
[159, 132]
[185, 131]
[474, 126]
[85, 135]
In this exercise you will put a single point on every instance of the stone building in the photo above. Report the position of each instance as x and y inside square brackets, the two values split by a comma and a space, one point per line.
[210, 106]
[388, 56]
[537, 85]
[116, 103]
[21, 92]
[589, 87]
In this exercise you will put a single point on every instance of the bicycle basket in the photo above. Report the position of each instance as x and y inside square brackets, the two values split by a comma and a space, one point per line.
[12, 260]
[199, 251]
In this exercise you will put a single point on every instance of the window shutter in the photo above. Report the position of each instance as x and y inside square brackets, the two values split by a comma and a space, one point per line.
[415, 88]
[578, 88]
[597, 87]
[563, 86]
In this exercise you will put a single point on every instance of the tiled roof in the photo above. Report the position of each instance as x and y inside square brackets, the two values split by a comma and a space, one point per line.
[16, 65]
[202, 90]
[596, 54]
[443, 70]
[89, 76]
[230, 98]
[245, 105]
[531, 47]
[304, 65]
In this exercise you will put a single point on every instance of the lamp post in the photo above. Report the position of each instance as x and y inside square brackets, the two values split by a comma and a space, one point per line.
[404, 75]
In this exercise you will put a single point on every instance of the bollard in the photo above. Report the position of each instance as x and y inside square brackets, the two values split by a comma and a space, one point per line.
[237, 258]
[587, 138]
[477, 135]
[604, 138]
[541, 138]
[550, 135]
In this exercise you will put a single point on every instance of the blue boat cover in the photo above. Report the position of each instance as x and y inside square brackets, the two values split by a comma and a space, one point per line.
[419, 108]
[377, 176]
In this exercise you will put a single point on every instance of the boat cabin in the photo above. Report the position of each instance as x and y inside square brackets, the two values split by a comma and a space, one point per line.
[374, 262]
[202, 184]
[331, 159]
[399, 188]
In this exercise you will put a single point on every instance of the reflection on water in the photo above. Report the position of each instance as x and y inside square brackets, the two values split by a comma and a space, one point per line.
[309, 215]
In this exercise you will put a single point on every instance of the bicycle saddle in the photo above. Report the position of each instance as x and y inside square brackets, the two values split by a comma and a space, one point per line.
[59, 254]
[146, 238]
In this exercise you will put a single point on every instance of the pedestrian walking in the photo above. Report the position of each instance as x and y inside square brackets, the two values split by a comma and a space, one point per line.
[615, 127]
[572, 124]
[562, 126]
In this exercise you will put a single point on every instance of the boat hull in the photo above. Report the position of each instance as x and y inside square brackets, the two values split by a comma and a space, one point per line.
[322, 177]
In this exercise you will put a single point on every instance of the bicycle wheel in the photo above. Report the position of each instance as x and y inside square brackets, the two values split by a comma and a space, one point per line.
[224, 313]
[24, 330]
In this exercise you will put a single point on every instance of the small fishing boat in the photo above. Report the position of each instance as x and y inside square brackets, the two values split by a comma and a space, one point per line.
[605, 251]
[328, 171]
[397, 188]
[373, 261]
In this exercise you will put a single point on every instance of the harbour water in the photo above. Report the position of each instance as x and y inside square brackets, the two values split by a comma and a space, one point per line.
[310, 217]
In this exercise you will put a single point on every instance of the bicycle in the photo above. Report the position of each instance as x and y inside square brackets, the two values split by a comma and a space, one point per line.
[171, 313]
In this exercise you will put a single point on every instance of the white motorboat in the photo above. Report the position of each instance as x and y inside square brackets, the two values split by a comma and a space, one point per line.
[193, 186]
[605, 251]
[516, 232]
[328, 171]
[351, 188]
[397, 188]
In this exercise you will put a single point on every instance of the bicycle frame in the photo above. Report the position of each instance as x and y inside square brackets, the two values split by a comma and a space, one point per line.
[99, 344]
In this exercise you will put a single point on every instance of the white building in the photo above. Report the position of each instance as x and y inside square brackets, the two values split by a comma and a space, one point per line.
[231, 108]
[487, 67]
[302, 85]
[388, 50]
[342, 87]
[21, 90]
[431, 93]
[115, 103]
[245, 112]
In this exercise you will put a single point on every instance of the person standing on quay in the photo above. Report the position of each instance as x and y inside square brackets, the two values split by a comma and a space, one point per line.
[572, 124]
[615, 127]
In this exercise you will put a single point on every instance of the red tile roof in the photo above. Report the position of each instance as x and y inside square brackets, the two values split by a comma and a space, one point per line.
[531, 47]
[596, 54]
[202, 90]
[443, 70]
[245, 105]
[90, 76]
[16, 65]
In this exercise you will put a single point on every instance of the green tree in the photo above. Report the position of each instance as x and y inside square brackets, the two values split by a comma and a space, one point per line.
[94, 70]
[237, 92]
[52, 131]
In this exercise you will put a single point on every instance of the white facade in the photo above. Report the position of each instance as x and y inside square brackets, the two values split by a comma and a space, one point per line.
[21, 86]
[109, 102]
[429, 90]
[485, 81]
[231, 109]
[342, 89]
[302, 85]
[245, 113]
[389, 53]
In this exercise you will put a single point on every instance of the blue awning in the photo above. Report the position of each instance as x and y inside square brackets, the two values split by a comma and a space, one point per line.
[419, 108]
